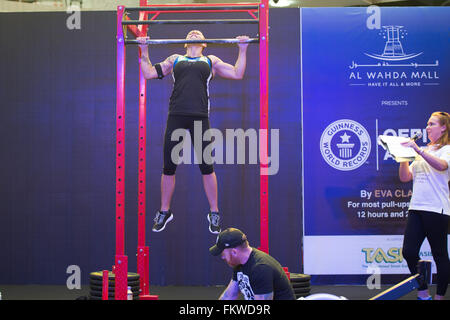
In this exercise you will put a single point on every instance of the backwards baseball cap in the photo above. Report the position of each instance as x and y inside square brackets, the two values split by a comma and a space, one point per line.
[228, 238]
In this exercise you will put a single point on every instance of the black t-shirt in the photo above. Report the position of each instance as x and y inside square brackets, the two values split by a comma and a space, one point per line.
[190, 95]
[262, 274]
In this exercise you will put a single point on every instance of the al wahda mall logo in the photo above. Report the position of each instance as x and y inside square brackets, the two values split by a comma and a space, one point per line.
[392, 65]
[393, 48]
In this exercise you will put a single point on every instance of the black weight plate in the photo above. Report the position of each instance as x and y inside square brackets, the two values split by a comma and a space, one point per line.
[302, 290]
[100, 289]
[300, 284]
[110, 294]
[98, 275]
[299, 277]
[112, 283]
[109, 298]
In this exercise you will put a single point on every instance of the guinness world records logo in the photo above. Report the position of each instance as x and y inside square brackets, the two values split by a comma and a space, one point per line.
[345, 145]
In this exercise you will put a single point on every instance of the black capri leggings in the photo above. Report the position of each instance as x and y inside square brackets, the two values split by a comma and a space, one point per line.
[175, 122]
[434, 227]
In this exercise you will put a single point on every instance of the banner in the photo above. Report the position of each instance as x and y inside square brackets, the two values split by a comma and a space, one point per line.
[365, 72]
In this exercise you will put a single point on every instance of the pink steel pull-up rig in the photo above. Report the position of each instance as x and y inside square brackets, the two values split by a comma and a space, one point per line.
[259, 14]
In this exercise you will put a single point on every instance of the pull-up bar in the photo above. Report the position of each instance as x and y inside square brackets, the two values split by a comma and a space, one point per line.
[182, 41]
[199, 21]
[139, 28]
[235, 7]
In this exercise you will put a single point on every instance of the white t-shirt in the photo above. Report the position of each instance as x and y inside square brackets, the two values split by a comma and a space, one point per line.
[430, 186]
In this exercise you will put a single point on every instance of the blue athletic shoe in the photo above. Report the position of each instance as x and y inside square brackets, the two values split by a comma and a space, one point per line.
[161, 220]
[427, 298]
[213, 219]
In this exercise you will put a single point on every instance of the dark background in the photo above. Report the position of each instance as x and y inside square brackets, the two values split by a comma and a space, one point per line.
[57, 140]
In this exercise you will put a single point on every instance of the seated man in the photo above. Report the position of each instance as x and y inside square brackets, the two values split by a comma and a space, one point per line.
[257, 275]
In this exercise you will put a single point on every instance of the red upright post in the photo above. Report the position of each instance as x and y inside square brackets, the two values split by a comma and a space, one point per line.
[264, 122]
[142, 250]
[121, 261]
[105, 288]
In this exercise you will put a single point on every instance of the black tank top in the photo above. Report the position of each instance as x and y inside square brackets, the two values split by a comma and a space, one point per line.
[190, 95]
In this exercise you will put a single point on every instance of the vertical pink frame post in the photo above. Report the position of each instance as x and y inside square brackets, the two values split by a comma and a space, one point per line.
[142, 250]
[264, 122]
[105, 287]
[121, 261]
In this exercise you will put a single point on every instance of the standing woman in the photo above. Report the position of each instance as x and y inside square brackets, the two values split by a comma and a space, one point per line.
[429, 208]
